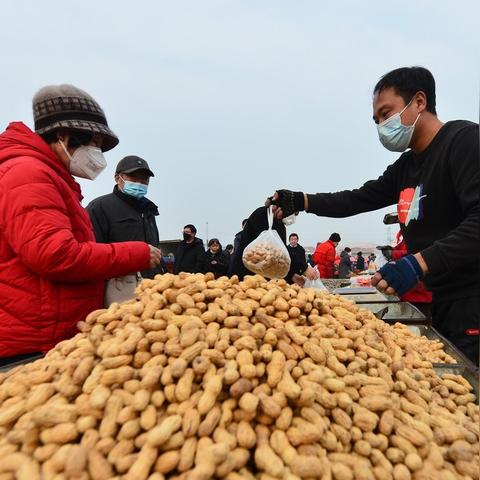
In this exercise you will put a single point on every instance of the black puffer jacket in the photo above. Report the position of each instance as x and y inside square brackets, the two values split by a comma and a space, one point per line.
[217, 263]
[118, 217]
[345, 266]
[190, 257]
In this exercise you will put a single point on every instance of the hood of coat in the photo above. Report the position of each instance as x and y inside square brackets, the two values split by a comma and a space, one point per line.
[19, 141]
[197, 242]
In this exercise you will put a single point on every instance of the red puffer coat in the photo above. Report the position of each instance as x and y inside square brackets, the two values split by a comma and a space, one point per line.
[52, 272]
[324, 258]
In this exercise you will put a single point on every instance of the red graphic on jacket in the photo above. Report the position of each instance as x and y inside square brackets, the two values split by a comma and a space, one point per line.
[410, 205]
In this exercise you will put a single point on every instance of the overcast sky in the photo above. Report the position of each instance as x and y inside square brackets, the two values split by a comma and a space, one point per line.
[230, 100]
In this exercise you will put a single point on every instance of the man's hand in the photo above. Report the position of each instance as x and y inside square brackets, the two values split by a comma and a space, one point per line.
[286, 203]
[155, 256]
[401, 276]
[311, 273]
[298, 279]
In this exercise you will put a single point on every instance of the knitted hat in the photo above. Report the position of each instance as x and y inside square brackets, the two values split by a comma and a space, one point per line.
[66, 106]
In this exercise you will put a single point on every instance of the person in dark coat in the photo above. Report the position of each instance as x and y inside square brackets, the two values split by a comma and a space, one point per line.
[190, 256]
[254, 225]
[238, 236]
[297, 255]
[217, 260]
[126, 214]
[228, 252]
[298, 262]
[360, 263]
[345, 266]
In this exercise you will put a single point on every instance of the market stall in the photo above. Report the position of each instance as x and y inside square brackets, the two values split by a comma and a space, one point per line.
[199, 378]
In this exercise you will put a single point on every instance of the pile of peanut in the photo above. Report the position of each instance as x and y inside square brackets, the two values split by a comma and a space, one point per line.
[265, 259]
[199, 378]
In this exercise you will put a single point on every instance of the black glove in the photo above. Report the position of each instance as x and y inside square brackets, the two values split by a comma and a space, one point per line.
[290, 202]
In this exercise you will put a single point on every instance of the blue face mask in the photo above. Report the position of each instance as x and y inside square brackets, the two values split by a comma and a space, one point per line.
[393, 134]
[134, 189]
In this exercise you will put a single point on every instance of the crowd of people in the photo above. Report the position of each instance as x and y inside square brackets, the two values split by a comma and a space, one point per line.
[59, 261]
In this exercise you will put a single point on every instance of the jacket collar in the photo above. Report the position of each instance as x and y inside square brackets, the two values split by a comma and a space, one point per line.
[142, 204]
[19, 141]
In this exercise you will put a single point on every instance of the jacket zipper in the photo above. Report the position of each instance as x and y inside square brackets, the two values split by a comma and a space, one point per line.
[143, 225]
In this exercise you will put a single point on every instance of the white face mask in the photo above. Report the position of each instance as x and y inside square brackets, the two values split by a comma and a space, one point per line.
[87, 161]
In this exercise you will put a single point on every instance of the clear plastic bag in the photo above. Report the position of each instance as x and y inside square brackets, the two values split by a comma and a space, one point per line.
[317, 284]
[267, 255]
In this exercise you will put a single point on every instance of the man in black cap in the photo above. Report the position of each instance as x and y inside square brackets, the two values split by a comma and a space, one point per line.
[126, 214]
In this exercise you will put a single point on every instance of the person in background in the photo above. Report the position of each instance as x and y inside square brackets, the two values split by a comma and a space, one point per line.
[228, 251]
[298, 261]
[126, 214]
[360, 262]
[435, 184]
[324, 255]
[372, 266]
[169, 261]
[190, 256]
[217, 261]
[238, 235]
[345, 266]
[52, 271]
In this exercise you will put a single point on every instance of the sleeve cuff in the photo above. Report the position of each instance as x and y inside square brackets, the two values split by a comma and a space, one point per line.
[433, 258]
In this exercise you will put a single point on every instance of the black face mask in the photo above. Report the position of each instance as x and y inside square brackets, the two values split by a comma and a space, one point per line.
[187, 237]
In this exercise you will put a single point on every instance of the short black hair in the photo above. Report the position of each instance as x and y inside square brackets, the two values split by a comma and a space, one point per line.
[407, 81]
[348, 249]
[359, 253]
[229, 247]
[335, 237]
[293, 235]
[191, 227]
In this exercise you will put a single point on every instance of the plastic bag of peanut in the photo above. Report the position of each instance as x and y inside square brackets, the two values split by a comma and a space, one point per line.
[199, 378]
[267, 255]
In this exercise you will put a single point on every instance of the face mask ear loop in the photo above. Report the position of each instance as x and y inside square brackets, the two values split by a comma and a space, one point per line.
[415, 122]
[65, 149]
[406, 106]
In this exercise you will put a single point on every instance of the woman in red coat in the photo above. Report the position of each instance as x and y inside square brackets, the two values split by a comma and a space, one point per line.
[52, 272]
[324, 256]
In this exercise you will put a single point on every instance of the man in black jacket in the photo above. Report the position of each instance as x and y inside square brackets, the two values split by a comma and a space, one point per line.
[298, 259]
[126, 214]
[435, 185]
[298, 262]
[190, 256]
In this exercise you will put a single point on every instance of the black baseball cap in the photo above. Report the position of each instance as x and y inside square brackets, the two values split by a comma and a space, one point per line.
[132, 163]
